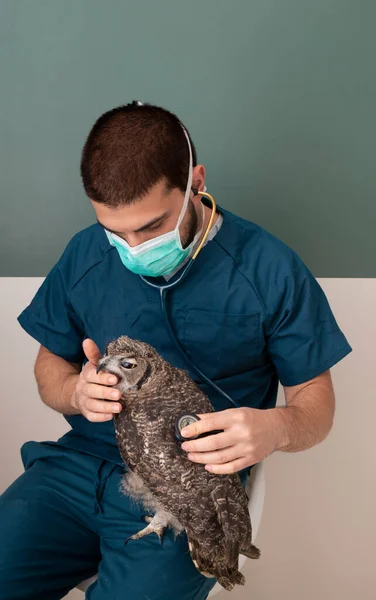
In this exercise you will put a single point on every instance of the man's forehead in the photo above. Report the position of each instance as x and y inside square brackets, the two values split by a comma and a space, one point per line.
[154, 206]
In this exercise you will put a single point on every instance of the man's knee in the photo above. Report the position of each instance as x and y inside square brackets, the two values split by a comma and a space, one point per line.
[38, 539]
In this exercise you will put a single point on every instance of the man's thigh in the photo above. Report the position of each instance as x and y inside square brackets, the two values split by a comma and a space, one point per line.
[45, 549]
[142, 568]
[145, 569]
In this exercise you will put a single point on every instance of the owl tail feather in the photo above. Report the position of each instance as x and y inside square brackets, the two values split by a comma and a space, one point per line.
[251, 552]
[229, 580]
[217, 568]
[228, 521]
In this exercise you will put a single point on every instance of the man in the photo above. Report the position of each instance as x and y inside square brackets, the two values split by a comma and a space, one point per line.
[248, 314]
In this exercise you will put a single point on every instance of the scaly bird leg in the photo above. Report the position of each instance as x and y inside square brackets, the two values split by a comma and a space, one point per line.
[157, 524]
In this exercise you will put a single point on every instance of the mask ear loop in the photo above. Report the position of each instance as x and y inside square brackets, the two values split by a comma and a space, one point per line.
[189, 182]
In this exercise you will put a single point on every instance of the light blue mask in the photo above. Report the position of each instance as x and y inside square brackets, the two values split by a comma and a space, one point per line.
[163, 254]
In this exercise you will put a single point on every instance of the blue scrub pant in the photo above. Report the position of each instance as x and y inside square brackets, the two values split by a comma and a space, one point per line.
[64, 519]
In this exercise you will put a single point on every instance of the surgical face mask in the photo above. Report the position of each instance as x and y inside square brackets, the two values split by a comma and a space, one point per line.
[163, 254]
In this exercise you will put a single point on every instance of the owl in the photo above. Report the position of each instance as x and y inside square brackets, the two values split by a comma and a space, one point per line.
[211, 509]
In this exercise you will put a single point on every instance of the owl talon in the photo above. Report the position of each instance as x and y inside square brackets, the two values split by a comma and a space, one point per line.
[158, 529]
[147, 518]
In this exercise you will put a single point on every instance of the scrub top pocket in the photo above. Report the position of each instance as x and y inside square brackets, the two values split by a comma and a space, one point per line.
[225, 343]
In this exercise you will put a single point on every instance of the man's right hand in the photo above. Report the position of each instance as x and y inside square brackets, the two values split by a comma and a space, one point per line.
[92, 396]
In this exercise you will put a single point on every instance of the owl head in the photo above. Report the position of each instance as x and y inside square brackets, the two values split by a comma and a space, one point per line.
[133, 362]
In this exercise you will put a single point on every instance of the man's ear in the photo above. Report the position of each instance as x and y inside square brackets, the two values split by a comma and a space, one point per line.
[198, 178]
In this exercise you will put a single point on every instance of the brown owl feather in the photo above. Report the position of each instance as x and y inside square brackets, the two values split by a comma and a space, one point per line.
[212, 509]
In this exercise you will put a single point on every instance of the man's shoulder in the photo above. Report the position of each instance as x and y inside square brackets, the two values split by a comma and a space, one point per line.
[269, 265]
[92, 236]
[253, 246]
[85, 250]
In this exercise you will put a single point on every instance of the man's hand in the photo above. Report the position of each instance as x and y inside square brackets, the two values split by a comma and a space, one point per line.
[92, 390]
[249, 436]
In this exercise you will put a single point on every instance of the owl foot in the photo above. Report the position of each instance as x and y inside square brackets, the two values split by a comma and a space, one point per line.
[155, 526]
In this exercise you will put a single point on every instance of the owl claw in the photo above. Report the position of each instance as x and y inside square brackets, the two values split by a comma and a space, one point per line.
[147, 518]
[158, 529]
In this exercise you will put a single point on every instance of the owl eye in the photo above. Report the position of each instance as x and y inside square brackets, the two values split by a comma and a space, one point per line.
[127, 365]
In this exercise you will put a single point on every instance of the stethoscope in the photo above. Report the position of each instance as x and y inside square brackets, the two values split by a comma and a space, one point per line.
[185, 419]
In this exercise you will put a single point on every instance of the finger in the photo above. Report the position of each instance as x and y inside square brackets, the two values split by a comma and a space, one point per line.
[211, 442]
[219, 457]
[222, 412]
[229, 467]
[215, 420]
[96, 417]
[101, 378]
[91, 350]
[106, 378]
[102, 406]
[210, 414]
[102, 392]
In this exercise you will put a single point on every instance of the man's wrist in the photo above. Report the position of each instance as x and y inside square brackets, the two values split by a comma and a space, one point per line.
[282, 427]
[69, 394]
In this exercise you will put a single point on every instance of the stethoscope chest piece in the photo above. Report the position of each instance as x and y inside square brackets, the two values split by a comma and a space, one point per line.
[185, 419]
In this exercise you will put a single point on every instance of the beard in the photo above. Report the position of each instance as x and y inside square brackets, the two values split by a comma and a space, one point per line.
[191, 227]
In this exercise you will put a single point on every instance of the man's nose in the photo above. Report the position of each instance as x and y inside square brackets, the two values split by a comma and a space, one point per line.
[134, 239]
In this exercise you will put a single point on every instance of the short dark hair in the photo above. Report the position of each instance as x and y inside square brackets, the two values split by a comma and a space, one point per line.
[131, 148]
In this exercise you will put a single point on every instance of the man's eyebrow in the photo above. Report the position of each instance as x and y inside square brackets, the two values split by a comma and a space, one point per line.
[108, 229]
[153, 222]
[143, 228]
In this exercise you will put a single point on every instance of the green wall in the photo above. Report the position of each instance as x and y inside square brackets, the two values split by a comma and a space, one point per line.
[279, 96]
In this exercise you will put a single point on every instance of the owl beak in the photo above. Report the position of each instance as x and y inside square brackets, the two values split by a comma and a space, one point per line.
[105, 365]
[101, 367]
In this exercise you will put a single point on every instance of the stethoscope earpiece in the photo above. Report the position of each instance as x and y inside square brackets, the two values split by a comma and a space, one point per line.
[196, 191]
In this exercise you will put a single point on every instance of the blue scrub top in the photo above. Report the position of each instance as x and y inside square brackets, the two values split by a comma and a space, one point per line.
[249, 314]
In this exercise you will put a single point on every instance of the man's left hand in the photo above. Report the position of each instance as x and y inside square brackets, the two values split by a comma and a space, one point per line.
[249, 436]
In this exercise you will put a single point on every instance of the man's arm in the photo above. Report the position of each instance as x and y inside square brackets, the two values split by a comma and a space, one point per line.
[56, 379]
[308, 415]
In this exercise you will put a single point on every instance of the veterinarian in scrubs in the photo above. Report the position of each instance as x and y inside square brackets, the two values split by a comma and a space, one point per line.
[249, 313]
